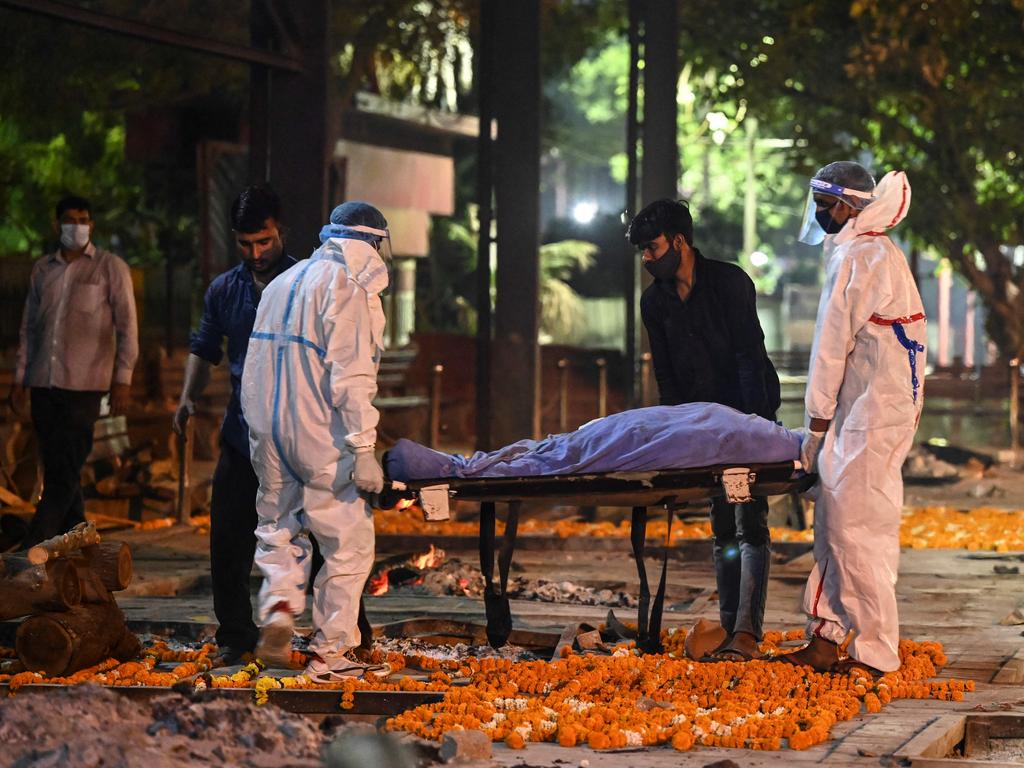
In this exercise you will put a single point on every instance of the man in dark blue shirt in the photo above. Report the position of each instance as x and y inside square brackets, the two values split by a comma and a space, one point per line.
[229, 310]
[707, 346]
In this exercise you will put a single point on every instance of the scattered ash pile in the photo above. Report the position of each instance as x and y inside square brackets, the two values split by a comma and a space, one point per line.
[88, 725]
[411, 647]
[933, 464]
[434, 573]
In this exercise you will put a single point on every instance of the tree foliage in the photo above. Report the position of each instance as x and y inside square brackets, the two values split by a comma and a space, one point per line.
[931, 87]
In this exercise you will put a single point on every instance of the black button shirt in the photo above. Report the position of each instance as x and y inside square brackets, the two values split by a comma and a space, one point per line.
[710, 348]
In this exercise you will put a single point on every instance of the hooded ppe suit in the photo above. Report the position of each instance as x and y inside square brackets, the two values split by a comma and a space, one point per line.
[307, 390]
[867, 364]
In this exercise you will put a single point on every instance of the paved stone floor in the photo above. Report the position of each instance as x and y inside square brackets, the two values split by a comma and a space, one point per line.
[952, 596]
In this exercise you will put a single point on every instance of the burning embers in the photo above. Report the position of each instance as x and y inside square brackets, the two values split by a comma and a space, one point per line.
[434, 573]
[408, 573]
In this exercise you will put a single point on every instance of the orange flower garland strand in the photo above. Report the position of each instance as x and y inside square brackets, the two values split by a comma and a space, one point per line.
[629, 700]
[604, 702]
[922, 527]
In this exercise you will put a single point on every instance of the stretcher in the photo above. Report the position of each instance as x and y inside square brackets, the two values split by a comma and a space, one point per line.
[673, 490]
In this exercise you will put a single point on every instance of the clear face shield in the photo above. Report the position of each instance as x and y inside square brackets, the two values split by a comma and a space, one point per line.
[381, 241]
[828, 195]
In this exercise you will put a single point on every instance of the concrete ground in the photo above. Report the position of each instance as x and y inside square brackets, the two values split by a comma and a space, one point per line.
[953, 596]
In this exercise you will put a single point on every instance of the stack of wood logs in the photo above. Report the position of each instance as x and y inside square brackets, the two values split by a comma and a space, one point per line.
[64, 586]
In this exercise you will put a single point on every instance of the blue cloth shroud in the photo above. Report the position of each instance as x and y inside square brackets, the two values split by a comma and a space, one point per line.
[688, 436]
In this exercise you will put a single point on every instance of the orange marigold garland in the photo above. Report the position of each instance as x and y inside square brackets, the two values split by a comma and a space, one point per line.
[629, 700]
[605, 702]
[932, 527]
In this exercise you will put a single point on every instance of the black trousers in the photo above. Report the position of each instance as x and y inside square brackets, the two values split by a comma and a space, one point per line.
[232, 547]
[63, 420]
[742, 555]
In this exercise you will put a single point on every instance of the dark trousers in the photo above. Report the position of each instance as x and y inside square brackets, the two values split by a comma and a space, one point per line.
[742, 555]
[232, 546]
[63, 420]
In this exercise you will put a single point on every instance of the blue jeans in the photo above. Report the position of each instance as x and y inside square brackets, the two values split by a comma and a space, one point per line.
[742, 557]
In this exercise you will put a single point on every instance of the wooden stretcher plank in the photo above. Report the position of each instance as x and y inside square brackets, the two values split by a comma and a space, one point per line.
[625, 489]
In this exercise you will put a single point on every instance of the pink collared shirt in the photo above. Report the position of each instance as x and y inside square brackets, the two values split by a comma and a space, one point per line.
[79, 329]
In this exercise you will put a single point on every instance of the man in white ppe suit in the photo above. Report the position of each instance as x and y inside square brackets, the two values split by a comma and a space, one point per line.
[864, 399]
[307, 393]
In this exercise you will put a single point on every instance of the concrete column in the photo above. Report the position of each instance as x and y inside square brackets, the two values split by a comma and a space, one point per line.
[298, 119]
[515, 366]
[945, 284]
[969, 323]
[405, 301]
[660, 165]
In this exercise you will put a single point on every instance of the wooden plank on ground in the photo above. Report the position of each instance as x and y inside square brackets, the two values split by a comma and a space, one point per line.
[1012, 670]
[936, 740]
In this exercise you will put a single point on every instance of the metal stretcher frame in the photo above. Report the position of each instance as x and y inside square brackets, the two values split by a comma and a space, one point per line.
[673, 489]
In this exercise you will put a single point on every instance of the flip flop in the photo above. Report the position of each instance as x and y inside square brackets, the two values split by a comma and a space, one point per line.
[848, 666]
[727, 654]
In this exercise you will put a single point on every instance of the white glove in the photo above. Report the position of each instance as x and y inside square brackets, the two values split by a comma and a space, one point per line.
[368, 475]
[810, 447]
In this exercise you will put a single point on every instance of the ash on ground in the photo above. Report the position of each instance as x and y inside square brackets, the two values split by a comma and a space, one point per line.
[455, 652]
[88, 725]
[453, 577]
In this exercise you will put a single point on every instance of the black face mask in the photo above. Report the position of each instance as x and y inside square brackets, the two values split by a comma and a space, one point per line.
[826, 222]
[665, 267]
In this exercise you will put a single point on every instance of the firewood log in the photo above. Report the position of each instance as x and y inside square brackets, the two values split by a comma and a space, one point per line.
[59, 644]
[81, 535]
[112, 562]
[26, 588]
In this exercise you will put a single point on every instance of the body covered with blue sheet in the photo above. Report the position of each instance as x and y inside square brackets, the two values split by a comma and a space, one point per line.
[692, 435]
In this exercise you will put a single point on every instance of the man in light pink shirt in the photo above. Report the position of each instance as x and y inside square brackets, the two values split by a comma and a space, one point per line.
[79, 340]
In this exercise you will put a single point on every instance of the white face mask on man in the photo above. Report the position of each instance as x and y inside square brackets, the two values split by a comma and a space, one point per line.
[74, 237]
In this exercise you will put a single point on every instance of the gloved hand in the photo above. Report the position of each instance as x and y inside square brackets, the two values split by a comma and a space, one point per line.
[368, 475]
[810, 447]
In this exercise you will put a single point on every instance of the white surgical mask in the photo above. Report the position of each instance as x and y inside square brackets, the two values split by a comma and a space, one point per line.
[74, 237]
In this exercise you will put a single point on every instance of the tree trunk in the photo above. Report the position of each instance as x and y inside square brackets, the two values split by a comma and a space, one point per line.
[26, 588]
[59, 644]
[112, 562]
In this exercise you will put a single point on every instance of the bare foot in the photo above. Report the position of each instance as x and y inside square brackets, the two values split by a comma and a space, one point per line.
[819, 654]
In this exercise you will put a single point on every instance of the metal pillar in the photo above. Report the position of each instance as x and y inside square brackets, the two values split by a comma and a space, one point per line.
[297, 120]
[516, 370]
[660, 167]
[484, 188]
[634, 395]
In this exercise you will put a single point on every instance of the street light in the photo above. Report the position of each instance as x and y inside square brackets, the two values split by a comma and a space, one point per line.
[759, 259]
[584, 211]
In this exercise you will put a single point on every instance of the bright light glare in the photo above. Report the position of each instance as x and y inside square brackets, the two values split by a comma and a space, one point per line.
[759, 258]
[584, 212]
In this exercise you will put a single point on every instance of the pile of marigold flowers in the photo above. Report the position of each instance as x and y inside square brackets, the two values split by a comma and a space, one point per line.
[600, 701]
[629, 700]
[978, 529]
[922, 527]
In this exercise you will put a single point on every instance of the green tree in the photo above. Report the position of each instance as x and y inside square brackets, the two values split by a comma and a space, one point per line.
[932, 88]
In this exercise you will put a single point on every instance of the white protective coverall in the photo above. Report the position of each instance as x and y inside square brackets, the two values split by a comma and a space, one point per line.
[866, 372]
[307, 392]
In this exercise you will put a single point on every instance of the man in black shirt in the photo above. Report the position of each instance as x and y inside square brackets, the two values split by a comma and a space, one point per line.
[708, 346]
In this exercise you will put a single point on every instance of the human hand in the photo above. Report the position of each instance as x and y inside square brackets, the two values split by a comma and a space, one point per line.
[16, 399]
[120, 396]
[810, 447]
[368, 474]
[181, 416]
